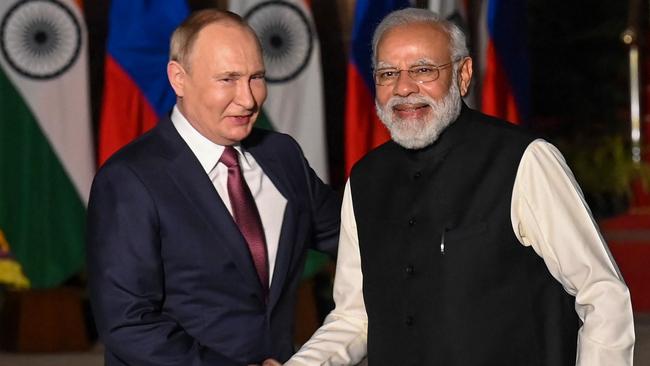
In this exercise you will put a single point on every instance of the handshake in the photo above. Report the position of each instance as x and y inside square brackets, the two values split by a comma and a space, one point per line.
[268, 362]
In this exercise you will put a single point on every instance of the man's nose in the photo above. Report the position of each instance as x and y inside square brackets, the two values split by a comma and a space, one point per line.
[404, 85]
[245, 97]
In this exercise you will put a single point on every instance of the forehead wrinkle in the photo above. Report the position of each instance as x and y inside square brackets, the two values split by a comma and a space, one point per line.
[238, 74]
[419, 62]
[214, 35]
[231, 73]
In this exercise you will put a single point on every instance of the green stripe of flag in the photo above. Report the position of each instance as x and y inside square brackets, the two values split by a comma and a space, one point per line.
[40, 211]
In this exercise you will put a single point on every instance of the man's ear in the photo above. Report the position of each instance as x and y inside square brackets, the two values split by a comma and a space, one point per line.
[465, 75]
[176, 75]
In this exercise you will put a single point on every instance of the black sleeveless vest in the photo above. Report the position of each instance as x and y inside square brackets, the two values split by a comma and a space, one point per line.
[445, 280]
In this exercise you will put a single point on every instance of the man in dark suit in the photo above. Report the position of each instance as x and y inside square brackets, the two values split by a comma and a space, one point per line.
[198, 230]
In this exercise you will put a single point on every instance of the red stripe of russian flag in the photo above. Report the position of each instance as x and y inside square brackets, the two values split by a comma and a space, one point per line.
[126, 113]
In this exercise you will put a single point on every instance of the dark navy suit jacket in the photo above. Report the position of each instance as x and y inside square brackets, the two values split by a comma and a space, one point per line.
[170, 277]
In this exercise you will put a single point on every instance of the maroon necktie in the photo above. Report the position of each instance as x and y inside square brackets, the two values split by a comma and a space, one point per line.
[246, 215]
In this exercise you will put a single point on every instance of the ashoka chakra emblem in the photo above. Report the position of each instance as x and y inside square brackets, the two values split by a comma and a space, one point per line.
[40, 39]
[286, 37]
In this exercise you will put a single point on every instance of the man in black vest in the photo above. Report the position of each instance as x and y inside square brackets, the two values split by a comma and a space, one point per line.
[464, 240]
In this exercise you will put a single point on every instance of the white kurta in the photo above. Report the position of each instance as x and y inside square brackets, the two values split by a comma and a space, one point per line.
[548, 213]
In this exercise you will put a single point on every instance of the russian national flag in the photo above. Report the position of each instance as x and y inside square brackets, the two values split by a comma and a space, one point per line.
[505, 86]
[136, 90]
[362, 129]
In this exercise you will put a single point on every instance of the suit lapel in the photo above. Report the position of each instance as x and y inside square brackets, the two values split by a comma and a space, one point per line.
[186, 172]
[273, 168]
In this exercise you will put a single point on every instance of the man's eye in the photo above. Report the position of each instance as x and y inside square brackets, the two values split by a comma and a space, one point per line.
[422, 70]
[389, 74]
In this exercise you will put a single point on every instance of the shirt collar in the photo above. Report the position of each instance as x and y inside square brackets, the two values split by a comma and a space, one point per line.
[207, 152]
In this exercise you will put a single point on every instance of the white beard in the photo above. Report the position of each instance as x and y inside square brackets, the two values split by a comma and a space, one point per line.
[419, 133]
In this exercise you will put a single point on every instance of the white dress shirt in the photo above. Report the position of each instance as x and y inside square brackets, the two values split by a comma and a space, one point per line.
[270, 202]
[549, 214]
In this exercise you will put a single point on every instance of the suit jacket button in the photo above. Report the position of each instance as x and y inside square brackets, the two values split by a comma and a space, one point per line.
[409, 269]
[408, 321]
[412, 221]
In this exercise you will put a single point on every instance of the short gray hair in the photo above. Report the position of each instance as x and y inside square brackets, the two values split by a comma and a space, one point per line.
[457, 39]
[185, 35]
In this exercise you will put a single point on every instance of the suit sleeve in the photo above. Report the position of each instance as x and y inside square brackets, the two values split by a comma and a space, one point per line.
[125, 276]
[342, 339]
[549, 214]
[326, 208]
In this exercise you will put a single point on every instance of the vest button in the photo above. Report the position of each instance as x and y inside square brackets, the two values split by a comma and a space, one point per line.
[417, 175]
[408, 321]
[409, 269]
[412, 222]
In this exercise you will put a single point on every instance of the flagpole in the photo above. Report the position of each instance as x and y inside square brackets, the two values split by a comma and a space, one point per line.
[631, 38]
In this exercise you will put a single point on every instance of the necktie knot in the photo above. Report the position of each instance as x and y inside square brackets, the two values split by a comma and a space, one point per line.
[229, 157]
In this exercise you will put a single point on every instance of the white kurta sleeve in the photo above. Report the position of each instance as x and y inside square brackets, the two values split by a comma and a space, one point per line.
[342, 338]
[549, 213]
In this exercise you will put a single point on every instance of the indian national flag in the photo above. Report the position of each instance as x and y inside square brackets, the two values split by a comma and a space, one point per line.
[46, 155]
[293, 72]
[294, 80]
